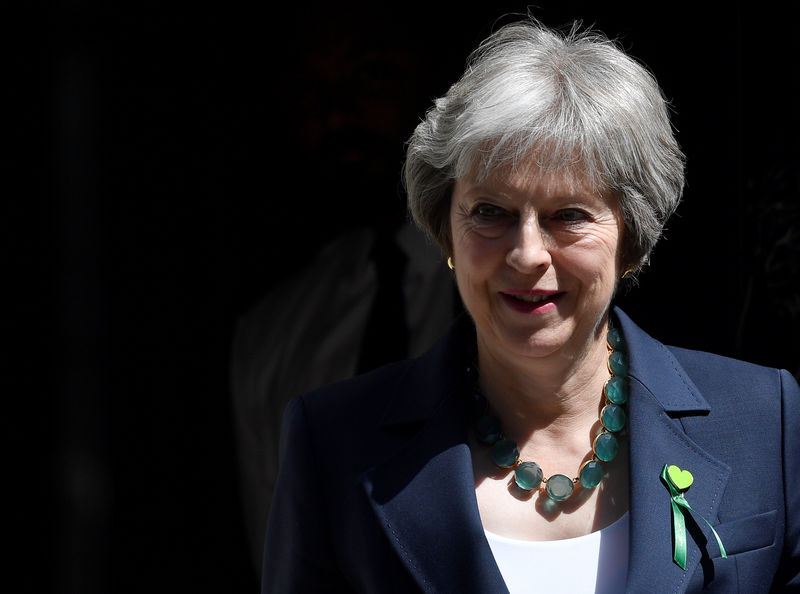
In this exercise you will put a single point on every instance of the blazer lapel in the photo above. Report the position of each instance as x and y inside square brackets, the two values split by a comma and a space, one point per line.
[424, 494]
[661, 393]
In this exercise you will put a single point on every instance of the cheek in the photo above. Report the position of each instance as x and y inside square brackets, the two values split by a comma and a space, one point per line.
[596, 258]
[476, 262]
[478, 256]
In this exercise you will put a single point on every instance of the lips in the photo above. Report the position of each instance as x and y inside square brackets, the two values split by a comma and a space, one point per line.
[532, 298]
[531, 301]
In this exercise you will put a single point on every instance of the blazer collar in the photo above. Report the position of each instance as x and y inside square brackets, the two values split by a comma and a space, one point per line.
[661, 394]
[433, 377]
[654, 366]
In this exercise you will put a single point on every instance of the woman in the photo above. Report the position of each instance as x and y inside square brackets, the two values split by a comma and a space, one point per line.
[545, 441]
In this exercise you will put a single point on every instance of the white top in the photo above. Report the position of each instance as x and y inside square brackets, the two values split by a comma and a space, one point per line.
[597, 562]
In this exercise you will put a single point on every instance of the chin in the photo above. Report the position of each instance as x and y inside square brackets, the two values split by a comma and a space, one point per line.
[542, 343]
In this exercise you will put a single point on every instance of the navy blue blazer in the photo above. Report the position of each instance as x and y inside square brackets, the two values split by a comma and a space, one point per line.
[376, 493]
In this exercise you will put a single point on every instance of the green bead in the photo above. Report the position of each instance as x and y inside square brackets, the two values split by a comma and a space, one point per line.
[488, 429]
[616, 390]
[606, 447]
[528, 475]
[618, 364]
[591, 474]
[615, 340]
[505, 453]
[559, 487]
[613, 417]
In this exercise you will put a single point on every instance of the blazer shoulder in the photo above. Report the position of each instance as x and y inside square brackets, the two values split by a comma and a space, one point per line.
[712, 362]
[724, 376]
[359, 396]
[403, 392]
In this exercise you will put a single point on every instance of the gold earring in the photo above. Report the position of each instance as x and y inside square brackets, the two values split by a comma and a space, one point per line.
[450, 263]
[627, 273]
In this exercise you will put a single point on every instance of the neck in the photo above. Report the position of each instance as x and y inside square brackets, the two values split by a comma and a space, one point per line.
[557, 394]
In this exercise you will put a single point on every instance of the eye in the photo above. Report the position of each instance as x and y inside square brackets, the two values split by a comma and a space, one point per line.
[490, 220]
[571, 215]
[485, 212]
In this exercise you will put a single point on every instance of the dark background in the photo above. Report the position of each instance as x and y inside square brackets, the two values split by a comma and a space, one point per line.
[171, 164]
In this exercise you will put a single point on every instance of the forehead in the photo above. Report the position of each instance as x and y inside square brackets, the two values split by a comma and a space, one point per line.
[529, 177]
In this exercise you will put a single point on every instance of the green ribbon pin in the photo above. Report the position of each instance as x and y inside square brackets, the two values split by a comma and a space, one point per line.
[677, 481]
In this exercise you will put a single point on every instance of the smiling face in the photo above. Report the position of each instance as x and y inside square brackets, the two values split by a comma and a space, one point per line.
[536, 260]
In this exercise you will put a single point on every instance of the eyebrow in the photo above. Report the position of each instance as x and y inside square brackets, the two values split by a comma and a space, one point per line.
[507, 191]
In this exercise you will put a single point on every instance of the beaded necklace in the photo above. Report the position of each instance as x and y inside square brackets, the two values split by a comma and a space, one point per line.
[528, 475]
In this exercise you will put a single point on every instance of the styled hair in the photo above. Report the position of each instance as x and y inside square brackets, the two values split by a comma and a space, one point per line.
[575, 103]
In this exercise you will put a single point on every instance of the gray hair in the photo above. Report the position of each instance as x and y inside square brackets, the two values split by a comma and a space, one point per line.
[575, 103]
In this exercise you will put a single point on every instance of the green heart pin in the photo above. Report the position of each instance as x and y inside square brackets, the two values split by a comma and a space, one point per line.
[681, 479]
[677, 482]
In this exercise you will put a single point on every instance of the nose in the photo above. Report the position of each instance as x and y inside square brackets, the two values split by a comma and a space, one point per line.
[529, 252]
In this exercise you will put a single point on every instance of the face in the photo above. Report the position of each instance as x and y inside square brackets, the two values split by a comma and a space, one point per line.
[536, 260]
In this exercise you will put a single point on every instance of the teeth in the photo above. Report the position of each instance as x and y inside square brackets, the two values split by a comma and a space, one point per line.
[531, 298]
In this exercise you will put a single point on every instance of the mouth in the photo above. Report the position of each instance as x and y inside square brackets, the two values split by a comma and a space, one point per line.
[530, 298]
[526, 302]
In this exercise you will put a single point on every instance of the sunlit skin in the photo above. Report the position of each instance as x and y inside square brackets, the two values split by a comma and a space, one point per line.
[518, 234]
